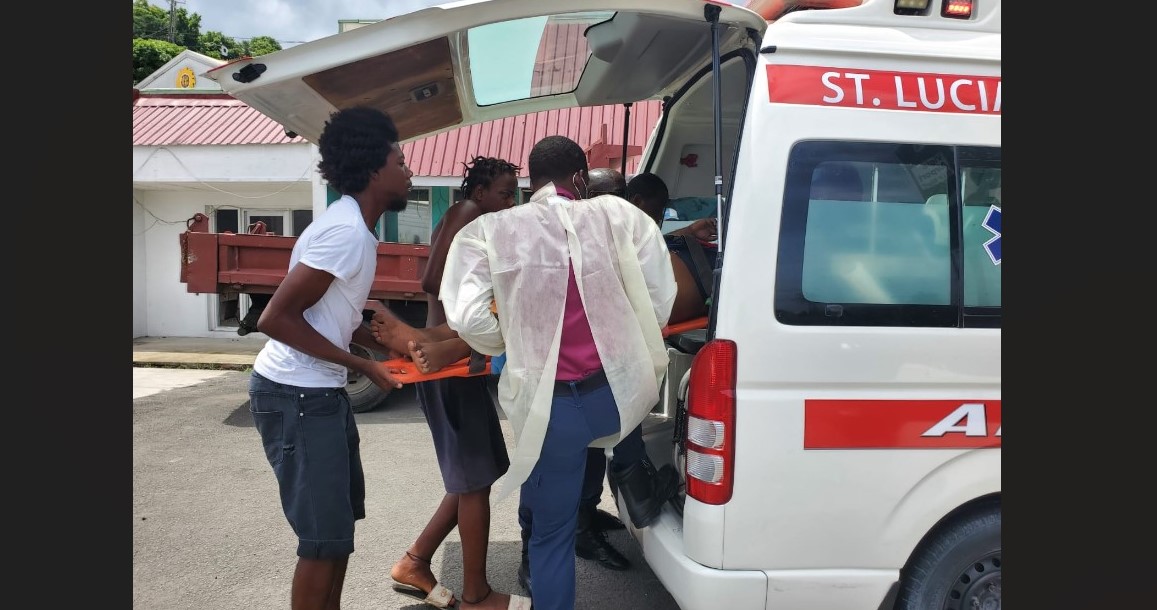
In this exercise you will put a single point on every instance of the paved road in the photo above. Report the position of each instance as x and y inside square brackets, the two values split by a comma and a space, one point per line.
[208, 532]
[148, 381]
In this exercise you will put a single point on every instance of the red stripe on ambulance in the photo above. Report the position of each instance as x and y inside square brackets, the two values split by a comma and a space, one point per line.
[883, 90]
[901, 424]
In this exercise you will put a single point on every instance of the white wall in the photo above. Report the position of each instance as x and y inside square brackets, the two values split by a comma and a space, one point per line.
[166, 309]
[198, 165]
[140, 310]
[171, 184]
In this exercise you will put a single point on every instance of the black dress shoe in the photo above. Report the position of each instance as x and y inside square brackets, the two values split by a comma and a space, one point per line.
[606, 522]
[644, 490]
[591, 543]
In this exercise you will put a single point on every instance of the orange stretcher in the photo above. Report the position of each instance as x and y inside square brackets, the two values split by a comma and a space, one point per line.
[405, 371]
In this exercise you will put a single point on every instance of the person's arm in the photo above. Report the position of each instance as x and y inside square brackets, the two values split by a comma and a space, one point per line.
[458, 216]
[704, 229]
[284, 320]
[467, 291]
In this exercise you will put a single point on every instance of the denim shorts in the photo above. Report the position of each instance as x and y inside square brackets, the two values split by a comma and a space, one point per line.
[311, 441]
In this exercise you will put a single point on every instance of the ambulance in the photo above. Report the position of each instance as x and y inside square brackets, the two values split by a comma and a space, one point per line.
[838, 420]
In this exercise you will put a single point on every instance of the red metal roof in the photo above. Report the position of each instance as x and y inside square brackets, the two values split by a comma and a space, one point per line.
[202, 119]
[562, 55]
[209, 119]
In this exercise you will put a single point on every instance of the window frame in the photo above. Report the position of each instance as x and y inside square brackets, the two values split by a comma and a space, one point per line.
[220, 304]
[791, 306]
[383, 224]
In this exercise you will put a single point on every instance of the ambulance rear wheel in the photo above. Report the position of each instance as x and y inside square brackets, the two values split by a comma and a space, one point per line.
[958, 566]
[364, 394]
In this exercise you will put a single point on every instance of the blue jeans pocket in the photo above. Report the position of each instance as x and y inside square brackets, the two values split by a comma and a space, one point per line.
[319, 403]
[271, 427]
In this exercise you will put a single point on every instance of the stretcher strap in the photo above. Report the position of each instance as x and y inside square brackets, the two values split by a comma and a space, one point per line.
[405, 371]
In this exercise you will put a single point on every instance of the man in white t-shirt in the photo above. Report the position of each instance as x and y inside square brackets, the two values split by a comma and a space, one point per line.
[297, 390]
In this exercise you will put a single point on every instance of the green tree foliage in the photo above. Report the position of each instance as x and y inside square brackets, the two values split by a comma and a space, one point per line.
[152, 47]
[262, 45]
[219, 46]
[149, 22]
[152, 23]
[150, 55]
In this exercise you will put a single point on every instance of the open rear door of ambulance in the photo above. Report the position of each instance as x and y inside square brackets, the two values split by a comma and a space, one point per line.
[462, 63]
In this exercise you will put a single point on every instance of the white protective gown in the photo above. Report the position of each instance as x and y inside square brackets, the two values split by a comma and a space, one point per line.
[518, 257]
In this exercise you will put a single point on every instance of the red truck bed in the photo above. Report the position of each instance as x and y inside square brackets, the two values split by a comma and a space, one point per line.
[255, 263]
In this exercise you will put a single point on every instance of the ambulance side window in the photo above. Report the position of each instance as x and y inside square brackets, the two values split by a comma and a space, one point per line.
[981, 196]
[867, 236]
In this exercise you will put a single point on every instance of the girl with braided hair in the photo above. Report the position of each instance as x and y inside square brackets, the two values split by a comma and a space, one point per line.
[489, 184]
[462, 416]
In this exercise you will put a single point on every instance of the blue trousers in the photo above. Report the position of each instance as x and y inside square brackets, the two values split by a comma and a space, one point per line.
[629, 450]
[551, 494]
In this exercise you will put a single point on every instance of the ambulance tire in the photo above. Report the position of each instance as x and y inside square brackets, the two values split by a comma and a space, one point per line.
[957, 567]
[364, 394]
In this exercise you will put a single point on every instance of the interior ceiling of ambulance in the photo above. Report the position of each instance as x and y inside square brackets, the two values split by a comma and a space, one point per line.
[590, 58]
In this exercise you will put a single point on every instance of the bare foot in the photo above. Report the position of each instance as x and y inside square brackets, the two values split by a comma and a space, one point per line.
[492, 601]
[413, 572]
[383, 328]
[393, 333]
[432, 357]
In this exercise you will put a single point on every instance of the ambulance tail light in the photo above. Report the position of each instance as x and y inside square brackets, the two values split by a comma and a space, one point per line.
[958, 9]
[711, 423]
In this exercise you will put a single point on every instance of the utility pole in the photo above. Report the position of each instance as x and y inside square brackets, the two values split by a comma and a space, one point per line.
[173, 21]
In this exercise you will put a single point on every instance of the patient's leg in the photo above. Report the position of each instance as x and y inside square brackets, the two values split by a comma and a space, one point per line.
[433, 356]
[395, 334]
[689, 302]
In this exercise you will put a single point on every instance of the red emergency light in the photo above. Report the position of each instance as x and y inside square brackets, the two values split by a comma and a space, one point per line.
[957, 9]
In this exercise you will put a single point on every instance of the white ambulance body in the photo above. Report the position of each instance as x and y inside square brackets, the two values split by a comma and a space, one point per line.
[838, 422]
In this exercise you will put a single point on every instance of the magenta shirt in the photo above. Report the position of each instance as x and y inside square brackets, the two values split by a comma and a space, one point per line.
[577, 355]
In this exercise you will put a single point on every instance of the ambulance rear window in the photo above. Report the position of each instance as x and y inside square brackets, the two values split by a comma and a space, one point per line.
[890, 234]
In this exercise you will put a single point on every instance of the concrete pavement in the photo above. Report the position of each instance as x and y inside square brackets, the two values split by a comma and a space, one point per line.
[208, 531]
[164, 363]
[149, 381]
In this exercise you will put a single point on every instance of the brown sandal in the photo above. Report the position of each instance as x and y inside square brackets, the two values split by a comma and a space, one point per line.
[438, 596]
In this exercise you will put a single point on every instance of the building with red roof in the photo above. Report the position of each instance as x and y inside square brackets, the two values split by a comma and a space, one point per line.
[198, 150]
